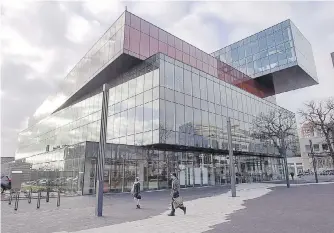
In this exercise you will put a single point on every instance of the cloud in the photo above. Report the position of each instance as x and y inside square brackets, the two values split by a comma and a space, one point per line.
[104, 11]
[78, 28]
[49, 105]
[197, 31]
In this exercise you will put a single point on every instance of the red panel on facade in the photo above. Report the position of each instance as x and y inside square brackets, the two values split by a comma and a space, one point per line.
[126, 44]
[163, 47]
[154, 46]
[178, 55]
[186, 58]
[171, 40]
[135, 22]
[154, 31]
[162, 36]
[192, 61]
[145, 27]
[134, 40]
[205, 67]
[178, 43]
[144, 45]
[171, 52]
[185, 47]
[160, 41]
[192, 51]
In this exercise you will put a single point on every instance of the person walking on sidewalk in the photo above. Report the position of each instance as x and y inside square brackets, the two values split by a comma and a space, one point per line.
[177, 201]
[136, 192]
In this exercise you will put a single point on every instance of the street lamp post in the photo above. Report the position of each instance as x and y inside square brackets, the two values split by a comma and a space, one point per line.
[314, 162]
[101, 153]
[230, 149]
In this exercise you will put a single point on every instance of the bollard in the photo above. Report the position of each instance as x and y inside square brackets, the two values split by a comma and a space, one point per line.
[39, 199]
[10, 198]
[58, 199]
[29, 196]
[47, 195]
[17, 198]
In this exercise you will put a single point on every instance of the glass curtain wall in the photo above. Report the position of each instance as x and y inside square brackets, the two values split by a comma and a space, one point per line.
[153, 167]
[61, 169]
[265, 52]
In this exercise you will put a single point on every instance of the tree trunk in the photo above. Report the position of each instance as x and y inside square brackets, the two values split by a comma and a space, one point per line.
[283, 153]
[286, 172]
[328, 141]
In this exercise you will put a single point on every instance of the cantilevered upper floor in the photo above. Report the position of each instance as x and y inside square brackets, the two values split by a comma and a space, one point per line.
[279, 57]
[129, 41]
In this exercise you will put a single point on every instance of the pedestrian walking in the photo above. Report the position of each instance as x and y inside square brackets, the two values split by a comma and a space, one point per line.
[292, 174]
[177, 201]
[136, 192]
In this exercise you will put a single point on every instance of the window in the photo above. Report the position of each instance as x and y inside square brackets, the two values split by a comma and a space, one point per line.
[169, 75]
[196, 85]
[235, 55]
[178, 79]
[187, 82]
[325, 147]
[263, 44]
[316, 147]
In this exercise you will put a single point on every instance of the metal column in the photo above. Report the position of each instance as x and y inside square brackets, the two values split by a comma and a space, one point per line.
[231, 157]
[101, 153]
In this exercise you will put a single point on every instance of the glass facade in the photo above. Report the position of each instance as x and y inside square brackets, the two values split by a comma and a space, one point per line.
[262, 53]
[163, 116]
[103, 52]
[274, 49]
[77, 123]
[168, 113]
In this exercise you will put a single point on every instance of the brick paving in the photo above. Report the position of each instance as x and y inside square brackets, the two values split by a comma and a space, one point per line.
[303, 209]
[300, 209]
[77, 213]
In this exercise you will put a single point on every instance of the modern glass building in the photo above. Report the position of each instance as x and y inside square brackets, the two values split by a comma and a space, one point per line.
[279, 57]
[167, 112]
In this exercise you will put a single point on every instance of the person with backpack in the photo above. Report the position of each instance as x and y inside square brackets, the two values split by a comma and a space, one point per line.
[177, 201]
[136, 192]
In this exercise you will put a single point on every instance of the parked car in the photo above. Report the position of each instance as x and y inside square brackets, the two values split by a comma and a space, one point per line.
[6, 183]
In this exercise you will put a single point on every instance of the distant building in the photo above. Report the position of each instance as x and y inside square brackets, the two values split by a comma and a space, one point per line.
[4, 162]
[320, 148]
[7, 159]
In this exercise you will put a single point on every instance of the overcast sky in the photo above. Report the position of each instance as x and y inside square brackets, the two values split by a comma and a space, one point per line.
[42, 41]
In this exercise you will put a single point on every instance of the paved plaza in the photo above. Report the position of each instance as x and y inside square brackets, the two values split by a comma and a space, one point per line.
[257, 208]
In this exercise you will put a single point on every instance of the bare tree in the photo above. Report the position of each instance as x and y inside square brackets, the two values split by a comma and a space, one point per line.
[164, 133]
[321, 116]
[279, 127]
[330, 106]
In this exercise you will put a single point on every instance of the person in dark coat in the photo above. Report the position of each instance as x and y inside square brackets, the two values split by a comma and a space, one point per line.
[136, 192]
[175, 193]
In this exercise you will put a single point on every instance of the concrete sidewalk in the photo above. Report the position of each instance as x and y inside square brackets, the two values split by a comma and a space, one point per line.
[77, 213]
[209, 208]
[300, 209]
[202, 214]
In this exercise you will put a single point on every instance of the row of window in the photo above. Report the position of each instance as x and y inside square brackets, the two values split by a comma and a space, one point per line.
[316, 147]
[275, 31]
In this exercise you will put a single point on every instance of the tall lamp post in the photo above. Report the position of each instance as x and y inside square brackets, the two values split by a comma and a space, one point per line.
[101, 153]
[230, 149]
[314, 162]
